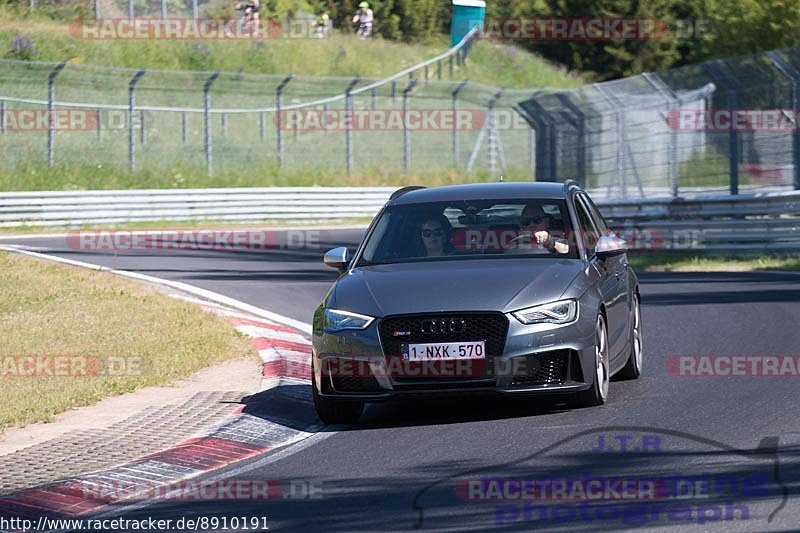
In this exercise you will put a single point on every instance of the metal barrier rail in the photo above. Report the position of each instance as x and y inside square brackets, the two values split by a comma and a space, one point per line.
[757, 223]
[766, 222]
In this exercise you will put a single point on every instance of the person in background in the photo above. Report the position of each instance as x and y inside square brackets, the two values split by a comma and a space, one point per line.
[364, 17]
[251, 16]
[322, 26]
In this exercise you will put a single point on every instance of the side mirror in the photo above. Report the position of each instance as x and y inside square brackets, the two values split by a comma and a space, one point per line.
[337, 258]
[610, 245]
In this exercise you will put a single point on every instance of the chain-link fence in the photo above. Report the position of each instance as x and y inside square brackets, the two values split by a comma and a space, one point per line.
[146, 9]
[416, 121]
[724, 124]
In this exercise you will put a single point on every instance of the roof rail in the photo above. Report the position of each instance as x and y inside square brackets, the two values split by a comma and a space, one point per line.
[400, 192]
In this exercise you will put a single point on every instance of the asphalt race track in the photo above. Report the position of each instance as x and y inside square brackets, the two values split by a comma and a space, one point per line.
[409, 465]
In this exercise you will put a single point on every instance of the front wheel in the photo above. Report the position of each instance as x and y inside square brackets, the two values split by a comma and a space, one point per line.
[598, 392]
[633, 368]
[333, 411]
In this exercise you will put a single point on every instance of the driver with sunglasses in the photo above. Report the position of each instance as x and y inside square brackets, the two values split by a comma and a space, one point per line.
[435, 233]
[535, 229]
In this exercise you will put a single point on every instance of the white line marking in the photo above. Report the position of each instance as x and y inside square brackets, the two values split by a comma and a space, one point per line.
[191, 289]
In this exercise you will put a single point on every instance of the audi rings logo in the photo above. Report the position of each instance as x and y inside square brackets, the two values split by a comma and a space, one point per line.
[444, 325]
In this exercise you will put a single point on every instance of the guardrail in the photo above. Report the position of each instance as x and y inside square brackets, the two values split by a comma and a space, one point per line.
[758, 222]
[740, 223]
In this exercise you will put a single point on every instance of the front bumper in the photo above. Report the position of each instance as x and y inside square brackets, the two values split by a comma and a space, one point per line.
[538, 359]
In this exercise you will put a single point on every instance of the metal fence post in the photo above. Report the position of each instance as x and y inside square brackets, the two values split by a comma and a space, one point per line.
[406, 133]
[163, 9]
[224, 124]
[531, 149]
[142, 128]
[543, 123]
[580, 130]
[207, 121]
[792, 73]
[131, 111]
[394, 92]
[373, 98]
[194, 9]
[454, 109]
[99, 125]
[279, 117]
[2, 116]
[733, 135]
[96, 9]
[439, 70]
[451, 66]
[51, 111]
[262, 129]
[184, 126]
[348, 124]
[130, 9]
[493, 144]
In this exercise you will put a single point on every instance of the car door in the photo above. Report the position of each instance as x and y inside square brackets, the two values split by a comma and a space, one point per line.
[612, 278]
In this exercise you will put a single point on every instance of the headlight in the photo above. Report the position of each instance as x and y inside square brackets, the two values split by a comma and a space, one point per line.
[336, 320]
[561, 312]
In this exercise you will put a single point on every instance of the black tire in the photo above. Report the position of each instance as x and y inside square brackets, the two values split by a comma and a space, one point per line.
[333, 411]
[633, 368]
[598, 392]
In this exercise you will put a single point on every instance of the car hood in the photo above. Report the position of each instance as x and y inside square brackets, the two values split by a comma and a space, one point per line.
[483, 284]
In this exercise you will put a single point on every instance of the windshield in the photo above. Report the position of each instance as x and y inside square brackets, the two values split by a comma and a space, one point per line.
[471, 230]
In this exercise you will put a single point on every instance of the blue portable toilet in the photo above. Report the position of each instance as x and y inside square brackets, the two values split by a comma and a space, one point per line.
[466, 15]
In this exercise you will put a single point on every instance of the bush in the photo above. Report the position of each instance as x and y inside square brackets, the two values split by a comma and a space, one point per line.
[21, 47]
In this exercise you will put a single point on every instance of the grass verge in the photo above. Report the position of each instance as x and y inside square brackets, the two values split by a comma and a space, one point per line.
[676, 262]
[341, 55]
[113, 336]
[35, 176]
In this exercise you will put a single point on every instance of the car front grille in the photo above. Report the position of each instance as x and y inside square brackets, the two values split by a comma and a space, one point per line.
[394, 331]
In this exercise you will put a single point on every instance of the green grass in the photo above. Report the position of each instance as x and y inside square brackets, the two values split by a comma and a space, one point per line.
[36, 176]
[679, 262]
[490, 63]
[50, 310]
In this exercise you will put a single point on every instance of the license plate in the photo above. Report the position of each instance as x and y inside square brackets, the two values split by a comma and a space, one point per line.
[443, 351]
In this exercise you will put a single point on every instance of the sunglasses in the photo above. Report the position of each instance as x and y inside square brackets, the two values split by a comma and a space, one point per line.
[428, 233]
